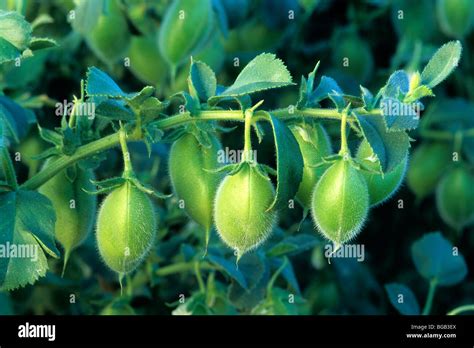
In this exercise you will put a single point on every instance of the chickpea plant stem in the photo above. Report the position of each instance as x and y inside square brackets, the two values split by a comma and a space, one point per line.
[128, 169]
[113, 140]
[461, 309]
[430, 297]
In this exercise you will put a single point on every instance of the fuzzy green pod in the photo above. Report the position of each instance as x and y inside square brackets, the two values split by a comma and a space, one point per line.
[428, 162]
[314, 144]
[240, 209]
[340, 202]
[146, 62]
[381, 187]
[75, 209]
[185, 27]
[110, 38]
[455, 17]
[189, 166]
[125, 228]
[455, 197]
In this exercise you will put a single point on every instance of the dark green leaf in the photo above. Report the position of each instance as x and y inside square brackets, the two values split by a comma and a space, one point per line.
[114, 110]
[39, 43]
[326, 86]
[403, 299]
[436, 258]
[16, 120]
[293, 245]
[201, 81]
[230, 268]
[391, 148]
[289, 164]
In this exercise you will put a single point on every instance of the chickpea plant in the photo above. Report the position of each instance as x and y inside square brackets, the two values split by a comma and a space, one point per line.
[335, 182]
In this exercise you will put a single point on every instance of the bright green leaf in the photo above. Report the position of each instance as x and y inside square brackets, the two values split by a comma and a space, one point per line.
[443, 62]
[263, 72]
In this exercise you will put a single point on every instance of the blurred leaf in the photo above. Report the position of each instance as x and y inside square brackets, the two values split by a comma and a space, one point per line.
[256, 275]
[293, 245]
[39, 43]
[288, 273]
[444, 61]
[230, 268]
[403, 299]
[436, 258]
[16, 120]
[15, 35]
[86, 15]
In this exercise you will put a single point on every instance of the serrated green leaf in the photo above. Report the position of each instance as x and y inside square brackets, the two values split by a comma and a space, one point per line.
[264, 72]
[202, 81]
[367, 98]
[15, 29]
[40, 43]
[289, 164]
[98, 83]
[29, 221]
[436, 258]
[402, 298]
[443, 62]
[399, 116]
[391, 148]
[418, 93]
